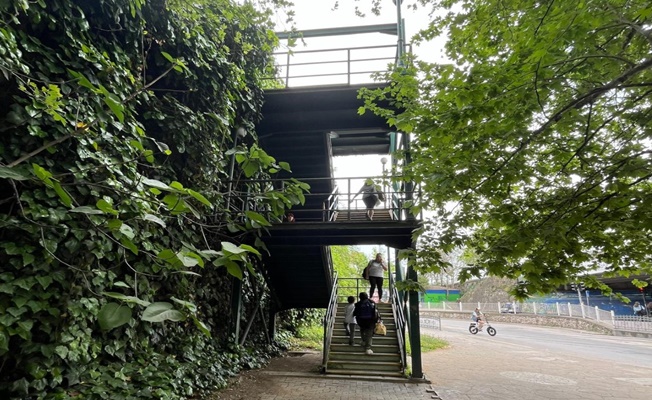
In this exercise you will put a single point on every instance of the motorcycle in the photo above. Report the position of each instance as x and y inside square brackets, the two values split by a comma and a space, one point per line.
[473, 328]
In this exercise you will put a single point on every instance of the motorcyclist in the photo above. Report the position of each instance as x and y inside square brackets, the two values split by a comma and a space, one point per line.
[478, 318]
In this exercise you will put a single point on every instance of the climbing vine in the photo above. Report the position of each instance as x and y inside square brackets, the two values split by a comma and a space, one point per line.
[119, 236]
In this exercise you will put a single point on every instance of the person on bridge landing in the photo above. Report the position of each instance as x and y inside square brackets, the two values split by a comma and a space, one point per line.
[371, 195]
[366, 315]
[639, 310]
[375, 274]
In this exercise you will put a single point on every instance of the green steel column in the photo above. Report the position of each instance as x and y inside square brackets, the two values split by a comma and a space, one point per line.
[415, 329]
[236, 307]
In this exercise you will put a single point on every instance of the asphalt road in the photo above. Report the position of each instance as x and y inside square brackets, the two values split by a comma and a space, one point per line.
[634, 351]
[537, 363]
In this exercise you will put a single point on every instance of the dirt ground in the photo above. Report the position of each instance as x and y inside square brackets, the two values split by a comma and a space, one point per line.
[247, 384]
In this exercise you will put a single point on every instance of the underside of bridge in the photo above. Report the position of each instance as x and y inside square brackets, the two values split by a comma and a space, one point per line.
[306, 127]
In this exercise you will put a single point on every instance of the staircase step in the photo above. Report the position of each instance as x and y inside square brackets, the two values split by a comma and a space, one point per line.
[358, 353]
[377, 348]
[339, 323]
[368, 364]
[380, 340]
[391, 332]
[356, 372]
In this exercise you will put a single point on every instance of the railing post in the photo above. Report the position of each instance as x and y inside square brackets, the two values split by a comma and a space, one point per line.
[597, 313]
[613, 318]
[534, 308]
[558, 310]
[582, 308]
[348, 66]
[460, 303]
[287, 71]
[570, 312]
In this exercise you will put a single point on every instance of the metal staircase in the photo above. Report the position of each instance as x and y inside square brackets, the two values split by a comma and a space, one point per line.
[352, 360]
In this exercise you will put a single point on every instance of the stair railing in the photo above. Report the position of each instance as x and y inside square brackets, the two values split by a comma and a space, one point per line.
[329, 322]
[401, 322]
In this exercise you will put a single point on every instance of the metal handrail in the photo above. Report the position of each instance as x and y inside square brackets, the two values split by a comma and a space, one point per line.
[399, 199]
[329, 322]
[330, 205]
[285, 62]
[401, 322]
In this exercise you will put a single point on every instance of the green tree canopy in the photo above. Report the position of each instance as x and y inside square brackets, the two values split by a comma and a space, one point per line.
[533, 144]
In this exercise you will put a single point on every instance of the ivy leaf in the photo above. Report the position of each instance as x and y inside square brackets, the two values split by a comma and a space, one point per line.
[113, 315]
[86, 210]
[82, 80]
[202, 326]
[127, 299]
[258, 218]
[285, 166]
[62, 351]
[168, 57]
[190, 306]
[43, 174]
[63, 195]
[13, 173]
[127, 231]
[250, 249]
[106, 207]
[114, 104]
[4, 342]
[155, 219]
[233, 269]
[190, 259]
[129, 244]
[232, 248]
[162, 311]
[199, 197]
[156, 184]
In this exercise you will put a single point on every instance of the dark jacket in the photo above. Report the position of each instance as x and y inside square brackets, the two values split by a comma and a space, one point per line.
[365, 322]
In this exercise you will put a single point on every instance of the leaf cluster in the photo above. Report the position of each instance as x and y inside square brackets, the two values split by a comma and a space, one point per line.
[532, 145]
[117, 245]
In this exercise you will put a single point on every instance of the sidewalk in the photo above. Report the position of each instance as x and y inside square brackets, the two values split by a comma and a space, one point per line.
[474, 367]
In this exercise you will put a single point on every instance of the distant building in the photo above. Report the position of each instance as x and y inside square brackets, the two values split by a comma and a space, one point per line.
[437, 295]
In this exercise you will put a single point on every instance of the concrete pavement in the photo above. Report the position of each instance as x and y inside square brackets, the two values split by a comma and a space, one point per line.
[478, 367]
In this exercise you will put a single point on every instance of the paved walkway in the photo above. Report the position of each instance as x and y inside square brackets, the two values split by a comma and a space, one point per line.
[479, 368]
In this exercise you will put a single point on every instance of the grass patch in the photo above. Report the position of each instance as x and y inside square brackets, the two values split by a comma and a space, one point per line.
[428, 343]
[312, 337]
[309, 337]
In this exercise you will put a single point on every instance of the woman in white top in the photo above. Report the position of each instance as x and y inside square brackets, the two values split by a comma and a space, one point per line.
[376, 268]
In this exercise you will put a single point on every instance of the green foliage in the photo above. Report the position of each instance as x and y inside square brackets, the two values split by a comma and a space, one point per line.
[532, 144]
[310, 337]
[428, 343]
[348, 262]
[117, 247]
[294, 319]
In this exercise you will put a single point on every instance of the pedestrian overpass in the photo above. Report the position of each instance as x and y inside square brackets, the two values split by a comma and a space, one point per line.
[307, 126]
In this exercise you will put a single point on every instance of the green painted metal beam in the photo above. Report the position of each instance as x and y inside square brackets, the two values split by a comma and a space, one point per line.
[389, 29]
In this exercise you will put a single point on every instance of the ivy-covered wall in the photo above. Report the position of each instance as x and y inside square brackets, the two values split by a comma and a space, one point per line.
[117, 251]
